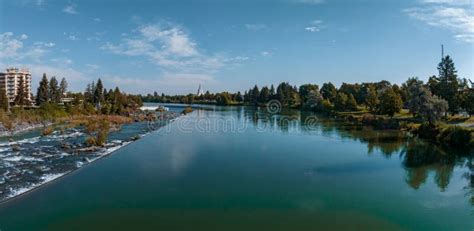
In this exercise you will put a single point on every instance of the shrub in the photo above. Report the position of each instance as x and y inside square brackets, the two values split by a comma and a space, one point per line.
[454, 136]
[187, 110]
[47, 131]
[324, 106]
[427, 131]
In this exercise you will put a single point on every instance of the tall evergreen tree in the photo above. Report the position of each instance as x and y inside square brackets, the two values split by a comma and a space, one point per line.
[42, 93]
[264, 95]
[63, 87]
[447, 84]
[54, 93]
[272, 92]
[254, 94]
[99, 93]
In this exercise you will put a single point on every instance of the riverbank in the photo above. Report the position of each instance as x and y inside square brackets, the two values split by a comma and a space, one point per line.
[30, 160]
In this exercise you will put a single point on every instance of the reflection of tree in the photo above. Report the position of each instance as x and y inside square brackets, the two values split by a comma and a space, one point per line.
[419, 158]
[416, 176]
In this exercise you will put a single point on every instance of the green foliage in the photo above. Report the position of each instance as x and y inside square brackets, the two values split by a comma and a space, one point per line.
[312, 100]
[340, 102]
[446, 84]
[54, 94]
[468, 100]
[51, 111]
[447, 135]
[434, 109]
[344, 102]
[305, 90]
[264, 95]
[390, 102]
[98, 97]
[224, 99]
[454, 136]
[4, 104]
[325, 106]
[287, 95]
[351, 104]
[422, 103]
[372, 99]
[43, 91]
[351, 89]
[98, 131]
[328, 91]
[63, 87]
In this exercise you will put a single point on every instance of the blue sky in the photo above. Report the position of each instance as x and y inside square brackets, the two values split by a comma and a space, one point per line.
[173, 46]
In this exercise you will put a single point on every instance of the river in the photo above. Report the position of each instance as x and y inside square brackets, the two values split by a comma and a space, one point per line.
[239, 168]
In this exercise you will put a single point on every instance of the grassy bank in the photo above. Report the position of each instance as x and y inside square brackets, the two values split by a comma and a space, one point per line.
[453, 132]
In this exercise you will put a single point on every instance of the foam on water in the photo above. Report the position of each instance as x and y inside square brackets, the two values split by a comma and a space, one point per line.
[20, 158]
[44, 179]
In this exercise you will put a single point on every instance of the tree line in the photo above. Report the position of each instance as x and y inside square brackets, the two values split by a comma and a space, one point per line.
[95, 99]
[442, 94]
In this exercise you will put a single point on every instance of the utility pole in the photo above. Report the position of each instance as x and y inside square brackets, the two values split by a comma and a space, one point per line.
[442, 52]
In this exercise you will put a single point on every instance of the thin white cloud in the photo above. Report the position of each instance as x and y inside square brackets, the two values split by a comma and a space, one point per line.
[265, 53]
[169, 46]
[13, 48]
[97, 20]
[449, 2]
[255, 27]
[92, 66]
[9, 45]
[61, 61]
[71, 36]
[315, 26]
[309, 2]
[457, 19]
[70, 9]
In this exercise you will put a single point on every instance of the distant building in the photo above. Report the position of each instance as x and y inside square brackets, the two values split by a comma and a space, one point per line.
[200, 91]
[10, 82]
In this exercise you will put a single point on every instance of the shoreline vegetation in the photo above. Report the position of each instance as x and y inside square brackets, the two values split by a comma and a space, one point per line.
[70, 130]
[438, 111]
[97, 109]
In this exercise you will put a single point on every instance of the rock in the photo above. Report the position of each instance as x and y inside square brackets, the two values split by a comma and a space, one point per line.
[16, 147]
[66, 146]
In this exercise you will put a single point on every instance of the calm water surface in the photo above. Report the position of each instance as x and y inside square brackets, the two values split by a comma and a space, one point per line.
[246, 169]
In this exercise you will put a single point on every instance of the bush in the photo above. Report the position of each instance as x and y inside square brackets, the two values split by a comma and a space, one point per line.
[324, 106]
[47, 131]
[187, 110]
[455, 136]
[446, 135]
[427, 131]
[98, 131]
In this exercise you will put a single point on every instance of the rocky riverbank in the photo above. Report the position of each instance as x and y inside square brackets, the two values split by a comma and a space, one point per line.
[29, 160]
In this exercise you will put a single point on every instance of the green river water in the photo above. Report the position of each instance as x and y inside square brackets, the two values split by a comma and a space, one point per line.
[246, 169]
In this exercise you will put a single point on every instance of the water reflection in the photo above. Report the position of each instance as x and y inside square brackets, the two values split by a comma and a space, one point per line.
[419, 159]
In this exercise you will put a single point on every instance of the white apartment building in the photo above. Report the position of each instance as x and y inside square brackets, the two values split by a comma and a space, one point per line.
[10, 82]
